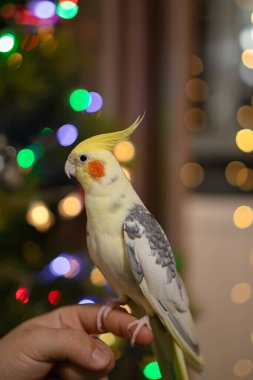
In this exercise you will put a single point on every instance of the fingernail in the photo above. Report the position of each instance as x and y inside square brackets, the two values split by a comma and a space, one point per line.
[101, 356]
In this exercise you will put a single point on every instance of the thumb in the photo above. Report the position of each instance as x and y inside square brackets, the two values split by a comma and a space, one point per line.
[74, 346]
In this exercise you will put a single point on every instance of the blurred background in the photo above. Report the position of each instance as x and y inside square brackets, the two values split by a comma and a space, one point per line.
[72, 69]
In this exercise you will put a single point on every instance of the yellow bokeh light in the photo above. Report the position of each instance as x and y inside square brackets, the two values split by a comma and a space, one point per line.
[192, 174]
[196, 90]
[244, 179]
[70, 206]
[247, 58]
[15, 61]
[197, 65]
[127, 173]
[242, 368]
[243, 217]
[97, 278]
[232, 170]
[124, 151]
[127, 308]
[244, 140]
[241, 292]
[195, 119]
[40, 216]
[245, 116]
[108, 338]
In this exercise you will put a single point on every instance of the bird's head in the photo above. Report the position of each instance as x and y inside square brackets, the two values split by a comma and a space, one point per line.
[92, 161]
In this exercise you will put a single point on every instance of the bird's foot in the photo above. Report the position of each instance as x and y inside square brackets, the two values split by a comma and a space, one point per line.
[144, 321]
[104, 311]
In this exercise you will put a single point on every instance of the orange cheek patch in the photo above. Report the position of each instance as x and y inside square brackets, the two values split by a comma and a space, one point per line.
[96, 169]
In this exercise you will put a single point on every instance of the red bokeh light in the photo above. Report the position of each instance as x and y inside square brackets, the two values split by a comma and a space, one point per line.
[69, 1]
[54, 297]
[22, 295]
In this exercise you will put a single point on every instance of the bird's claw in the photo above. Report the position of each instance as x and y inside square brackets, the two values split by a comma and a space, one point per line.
[104, 311]
[144, 321]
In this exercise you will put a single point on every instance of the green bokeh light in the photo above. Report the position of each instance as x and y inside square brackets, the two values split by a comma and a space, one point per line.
[152, 371]
[7, 42]
[67, 9]
[80, 100]
[25, 158]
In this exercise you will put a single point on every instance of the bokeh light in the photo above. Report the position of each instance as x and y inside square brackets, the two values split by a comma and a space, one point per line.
[67, 134]
[96, 103]
[232, 170]
[22, 295]
[44, 9]
[245, 179]
[86, 301]
[197, 65]
[80, 100]
[97, 278]
[243, 217]
[54, 297]
[74, 268]
[7, 42]
[241, 293]
[108, 338]
[29, 42]
[247, 58]
[152, 371]
[245, 116]
[196, 90]
[128, 173]
[242, 368]
[25, 158]
[39, 216]
[59, 266]
[67, 9]
[246, 38]
[124, 151]
[192, 174]
[195, 119]
[15, 61]
[70, 206]
[244, 140]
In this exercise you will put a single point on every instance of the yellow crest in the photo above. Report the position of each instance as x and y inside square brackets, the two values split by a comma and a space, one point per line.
[107, 141]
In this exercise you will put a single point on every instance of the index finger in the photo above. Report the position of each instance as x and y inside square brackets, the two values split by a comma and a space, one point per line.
[85, 316]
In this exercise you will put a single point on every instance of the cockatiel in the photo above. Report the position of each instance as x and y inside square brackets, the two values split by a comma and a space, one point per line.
[132, 251]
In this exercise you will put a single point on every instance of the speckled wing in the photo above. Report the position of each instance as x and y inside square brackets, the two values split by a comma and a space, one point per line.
[153, 265]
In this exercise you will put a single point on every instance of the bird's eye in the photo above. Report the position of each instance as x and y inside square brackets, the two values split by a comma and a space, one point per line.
[83, 158]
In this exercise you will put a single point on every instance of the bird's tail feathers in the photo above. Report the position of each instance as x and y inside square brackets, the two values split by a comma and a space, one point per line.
[168, 354]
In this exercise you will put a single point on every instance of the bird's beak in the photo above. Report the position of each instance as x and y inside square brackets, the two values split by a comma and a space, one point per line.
[70, 168]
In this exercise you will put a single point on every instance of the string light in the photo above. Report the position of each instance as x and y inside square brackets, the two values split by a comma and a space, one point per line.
[25, 158]
[243, 217]
[242, 368]
[241, 293]
[67, 134]
[39, 216]
[196, 90]
[70, 206]
[7, 42]
[86, 301]
[232, 170]
[197, 65]
[22, 295]
[97, 278]
[124, 151]
[44, 9]
[96, 103]
[108, 338]
[14, 61]
[54, 297]
[67, 9]
[247, 58]
[59, 266]
[192, 174]
[244, 140]
[152, 371]
[245, 116]
[80, 99]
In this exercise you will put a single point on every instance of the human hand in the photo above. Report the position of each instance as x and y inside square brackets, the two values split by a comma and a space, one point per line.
[61, 341]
